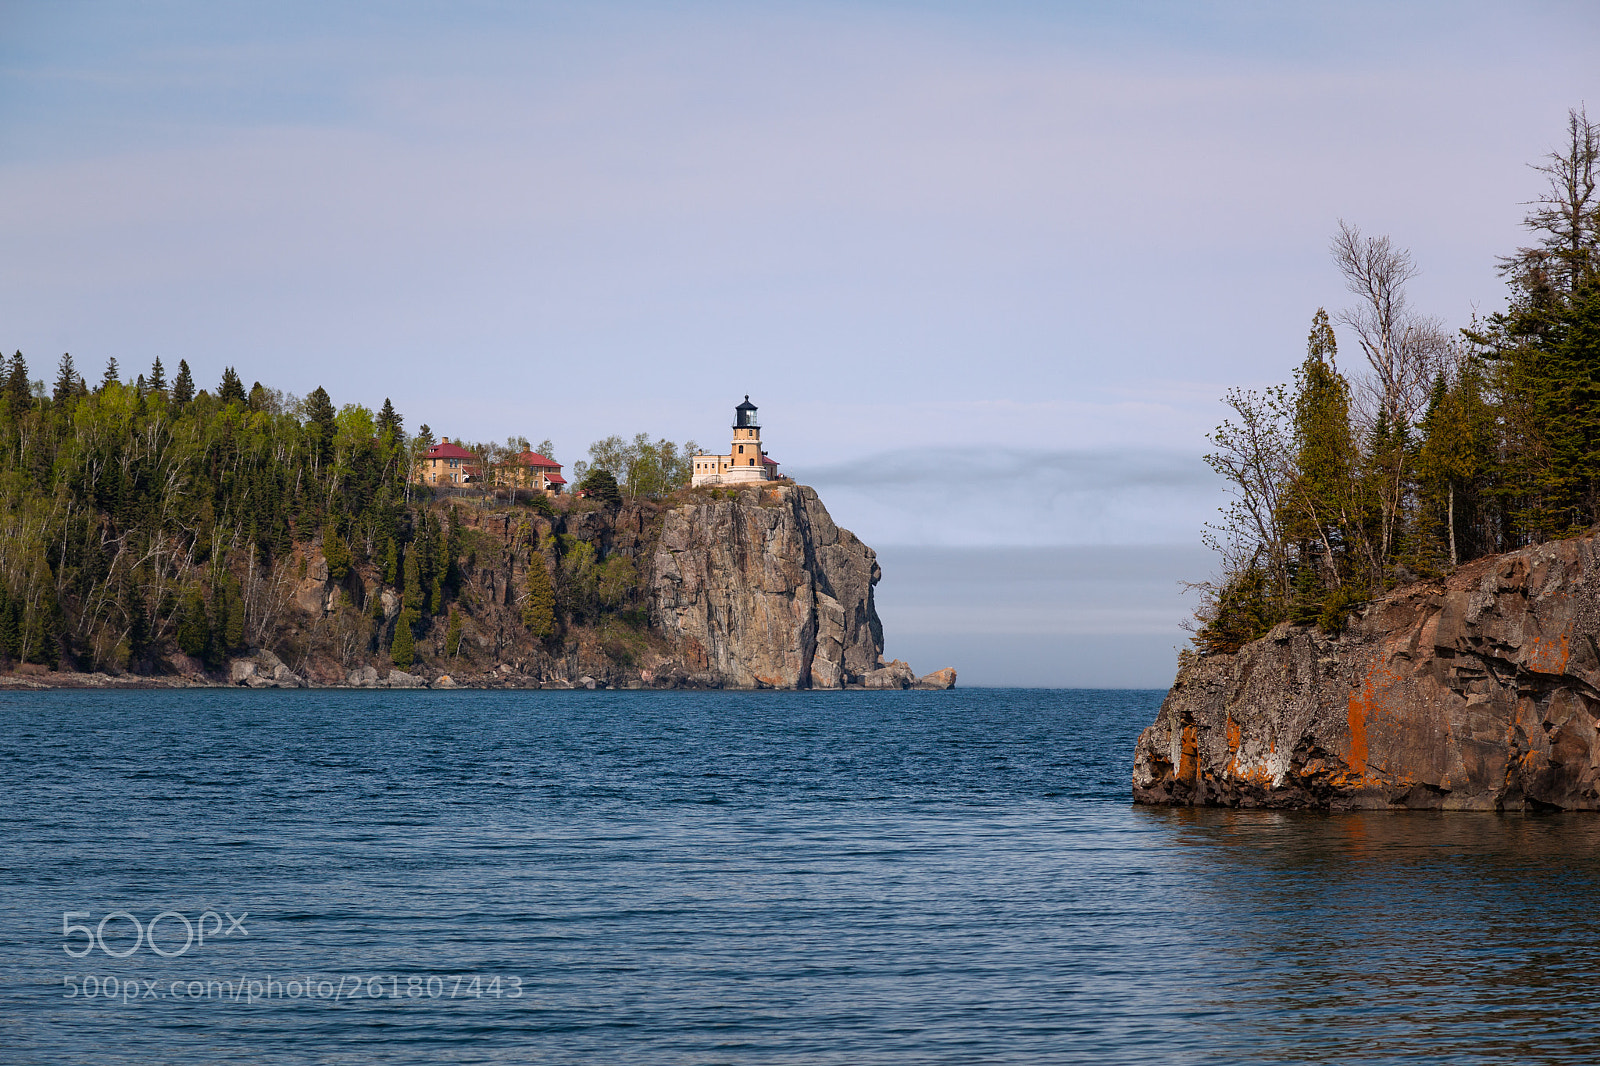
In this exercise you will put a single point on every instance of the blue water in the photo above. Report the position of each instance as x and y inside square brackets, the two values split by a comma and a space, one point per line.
[948, 877]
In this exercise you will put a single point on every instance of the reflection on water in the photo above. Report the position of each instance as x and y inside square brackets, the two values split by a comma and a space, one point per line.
[756, 878]
[1408, 936]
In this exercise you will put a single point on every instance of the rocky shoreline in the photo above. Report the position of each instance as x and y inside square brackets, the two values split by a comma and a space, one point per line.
[1478, 692]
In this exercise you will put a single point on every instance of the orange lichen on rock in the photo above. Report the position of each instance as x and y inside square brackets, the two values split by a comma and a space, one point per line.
[1548, 655]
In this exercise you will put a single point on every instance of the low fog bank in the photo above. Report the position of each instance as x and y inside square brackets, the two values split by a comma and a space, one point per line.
[1055, 617]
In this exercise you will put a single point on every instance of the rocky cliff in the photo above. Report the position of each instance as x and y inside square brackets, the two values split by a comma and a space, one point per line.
[748, 588]
[1481, 692]
[760, 588]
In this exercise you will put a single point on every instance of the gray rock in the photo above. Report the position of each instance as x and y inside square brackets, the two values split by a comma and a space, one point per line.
[401, 679]
[763, 590]
[895, 674]
[364, 677]
[242, 671]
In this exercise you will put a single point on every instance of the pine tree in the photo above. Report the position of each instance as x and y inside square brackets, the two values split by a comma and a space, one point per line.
[391, 565]
[538, 599]
[320, 414]
[18, 387]
[66, 379]
[452, 639]
[389, 422]
[158, 376]
[602, 485]
[411, 596]
[183, 384]
[232, 389]
[402, 651]
[110, 377]
[194, 626]
[337, 554]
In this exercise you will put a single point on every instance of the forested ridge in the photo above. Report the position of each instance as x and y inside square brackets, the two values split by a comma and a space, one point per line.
[141, 519]
[1433, 446]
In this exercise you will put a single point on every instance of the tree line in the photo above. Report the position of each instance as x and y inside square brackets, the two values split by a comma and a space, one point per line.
[1435, 447]
[146, 513]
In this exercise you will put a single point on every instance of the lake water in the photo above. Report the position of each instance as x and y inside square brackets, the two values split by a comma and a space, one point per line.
[632, 877]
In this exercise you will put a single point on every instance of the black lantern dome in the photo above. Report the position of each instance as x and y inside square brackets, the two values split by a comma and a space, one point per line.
[744, 416]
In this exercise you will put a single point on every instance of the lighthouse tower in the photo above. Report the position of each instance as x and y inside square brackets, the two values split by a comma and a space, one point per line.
[745, 460]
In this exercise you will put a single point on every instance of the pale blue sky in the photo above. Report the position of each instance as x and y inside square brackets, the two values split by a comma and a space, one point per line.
[1023, 247]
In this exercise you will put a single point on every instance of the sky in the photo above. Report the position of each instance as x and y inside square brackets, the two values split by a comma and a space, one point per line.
[987, 269]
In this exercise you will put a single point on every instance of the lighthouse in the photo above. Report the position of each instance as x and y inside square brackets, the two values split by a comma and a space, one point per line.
[745, 460]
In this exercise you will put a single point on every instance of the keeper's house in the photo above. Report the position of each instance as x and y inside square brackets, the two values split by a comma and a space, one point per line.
[745, 460]
[530, 470]
[445, 464]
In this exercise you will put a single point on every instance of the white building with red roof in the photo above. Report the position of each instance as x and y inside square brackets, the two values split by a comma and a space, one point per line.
[745, 461]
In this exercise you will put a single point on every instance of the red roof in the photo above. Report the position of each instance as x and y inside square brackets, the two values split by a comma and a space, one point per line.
[555, 479]
[769, 462]
[445, 450]
[534, 459]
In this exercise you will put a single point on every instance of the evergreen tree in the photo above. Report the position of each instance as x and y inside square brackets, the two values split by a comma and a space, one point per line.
[110, 377]
[258, 397]
[66, 379]
[232, 389]
[411, 595]
[194, 625]
[183, 384]
[320, 416]
[337, 553]
[158, 376]
[18, 387]
[601, 484]
[402, 650]
[391, 565]
[390, 426]
[452, 638]
[1323, 500]
[538, 599]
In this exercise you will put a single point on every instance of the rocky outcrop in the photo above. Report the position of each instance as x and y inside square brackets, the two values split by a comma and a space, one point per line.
[1481, 692]
[759, 588]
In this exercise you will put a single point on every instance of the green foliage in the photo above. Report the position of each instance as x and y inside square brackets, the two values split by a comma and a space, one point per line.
[640, 466]
[337, 553]
[1337, 607]
[601, 484]
[1242, 611]
[538, 600]
[1335, 501]
[183, 384]
[231, 391]
[452, 638]
[194, 625]
[403, 649]
[411, 595]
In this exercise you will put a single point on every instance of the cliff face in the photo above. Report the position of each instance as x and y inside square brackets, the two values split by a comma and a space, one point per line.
[762, 589]
[711, 588]
[1478, 693]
